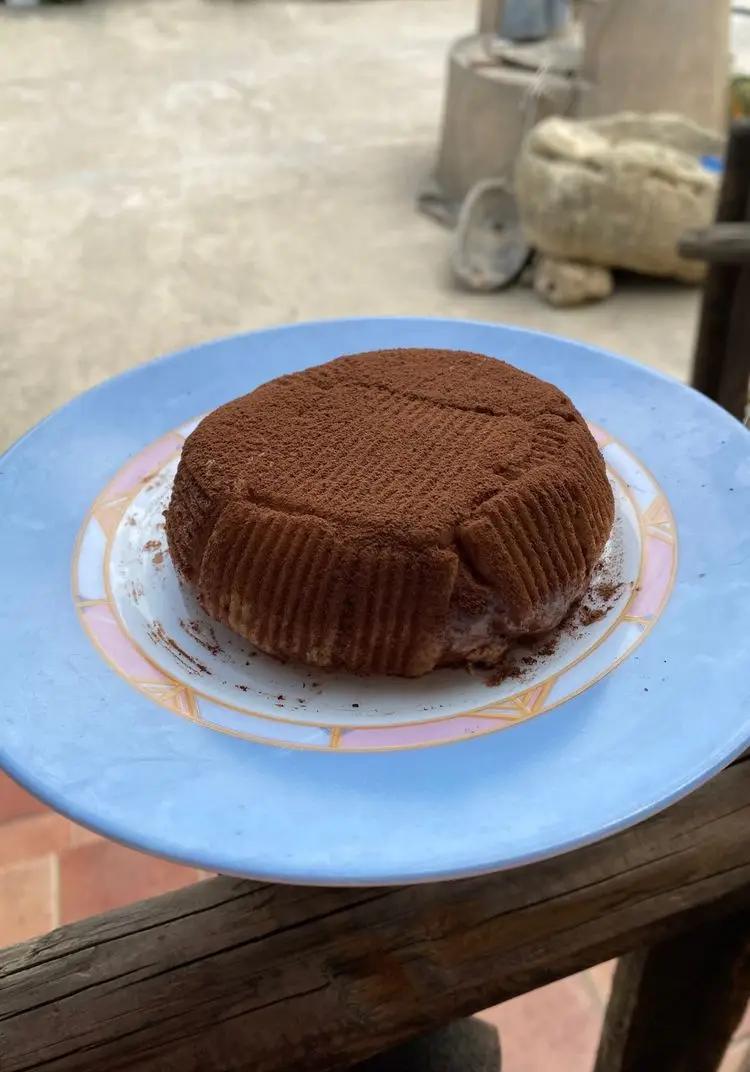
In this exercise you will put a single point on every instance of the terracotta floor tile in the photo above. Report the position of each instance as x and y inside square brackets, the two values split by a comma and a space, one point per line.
[736, 1055]
[601, 976]
[743, 1031]
[16, 802]
[34, 836]
[80, 835]
[27, 896]
[99, 876]
[554, 1029]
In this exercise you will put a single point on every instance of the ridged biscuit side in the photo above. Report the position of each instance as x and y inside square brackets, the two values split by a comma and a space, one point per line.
[325, 516]
[189, 519]
[535, 547]
[294, 587]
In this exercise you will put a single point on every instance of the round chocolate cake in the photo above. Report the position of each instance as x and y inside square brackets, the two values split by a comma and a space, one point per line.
[391, 512]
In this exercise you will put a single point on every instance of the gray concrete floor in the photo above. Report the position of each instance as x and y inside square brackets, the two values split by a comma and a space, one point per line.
[182, 169]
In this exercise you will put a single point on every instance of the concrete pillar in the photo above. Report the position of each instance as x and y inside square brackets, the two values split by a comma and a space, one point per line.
[657, 56]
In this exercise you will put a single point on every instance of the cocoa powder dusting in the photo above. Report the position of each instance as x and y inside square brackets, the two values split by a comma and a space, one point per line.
[608, 591]
[159, 635]
[195, 628]
[593, 607]
[425, 486]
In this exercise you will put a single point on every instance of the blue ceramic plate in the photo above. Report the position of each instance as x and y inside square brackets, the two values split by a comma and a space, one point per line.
[126, 709]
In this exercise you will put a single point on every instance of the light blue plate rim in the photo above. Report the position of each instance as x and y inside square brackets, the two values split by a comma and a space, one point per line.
[664, 722]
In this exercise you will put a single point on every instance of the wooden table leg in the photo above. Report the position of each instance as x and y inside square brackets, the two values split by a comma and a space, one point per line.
[675, 1006]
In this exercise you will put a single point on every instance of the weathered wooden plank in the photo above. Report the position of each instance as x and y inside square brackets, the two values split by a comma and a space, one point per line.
[721, 243]
[735, 373]
[234, 975]
[721, 282]
[675, 1006]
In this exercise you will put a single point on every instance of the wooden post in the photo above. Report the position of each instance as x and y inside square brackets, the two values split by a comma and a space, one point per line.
[234, 976]
[735, 373]
[675, 1006]
[721, 359]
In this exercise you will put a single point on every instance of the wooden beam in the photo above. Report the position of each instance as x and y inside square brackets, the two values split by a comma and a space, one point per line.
[721, 243]
[721, 283]
[735, 373]
[231, 975]
[675, 1007]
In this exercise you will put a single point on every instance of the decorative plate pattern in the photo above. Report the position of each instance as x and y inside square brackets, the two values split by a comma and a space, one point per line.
[155, 635]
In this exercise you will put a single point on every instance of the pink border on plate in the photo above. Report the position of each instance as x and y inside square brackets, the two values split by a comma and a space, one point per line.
[118, 648]
[143, 465]
[655, 578]
[419, 733]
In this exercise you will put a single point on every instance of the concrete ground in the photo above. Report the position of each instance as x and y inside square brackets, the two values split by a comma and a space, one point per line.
[182, 169]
